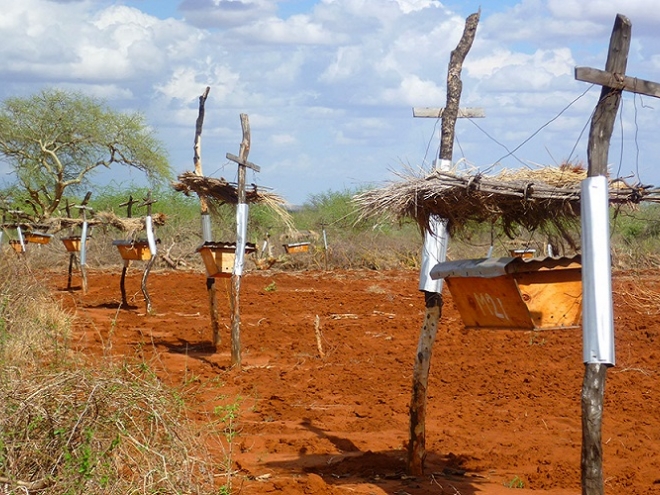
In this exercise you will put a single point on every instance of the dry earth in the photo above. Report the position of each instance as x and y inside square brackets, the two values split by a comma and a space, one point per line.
[503, 405]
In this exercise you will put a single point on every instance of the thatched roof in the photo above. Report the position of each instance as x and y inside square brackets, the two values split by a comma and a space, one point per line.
[218, 192]
[104, 218]
[531, 198]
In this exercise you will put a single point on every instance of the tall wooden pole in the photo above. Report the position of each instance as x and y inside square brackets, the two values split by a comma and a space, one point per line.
[433, 301]
[206, 218]
[593, 386]
[236, 277]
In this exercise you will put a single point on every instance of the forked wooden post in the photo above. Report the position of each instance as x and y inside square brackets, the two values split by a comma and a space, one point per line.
[433, 300]
[206, 218]
[241, 216]
[148, 201]
[595, 328]
[122, 281]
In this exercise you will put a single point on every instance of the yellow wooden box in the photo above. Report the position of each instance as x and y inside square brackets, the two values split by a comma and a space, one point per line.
[515, 293]
[16, 245]
[522, 253]
[297, 247]
[133, 250]
[38, 237]
[219, 257]
[73, 243]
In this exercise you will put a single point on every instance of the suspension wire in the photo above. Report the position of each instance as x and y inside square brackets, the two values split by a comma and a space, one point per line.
[639, 179]
[511, 153]
[618, 170]
[428, 146]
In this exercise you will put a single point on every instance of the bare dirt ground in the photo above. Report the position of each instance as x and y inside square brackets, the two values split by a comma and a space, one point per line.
[503, 405]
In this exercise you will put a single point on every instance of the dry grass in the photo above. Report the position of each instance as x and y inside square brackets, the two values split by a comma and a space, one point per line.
[67, 428]
[540, 198]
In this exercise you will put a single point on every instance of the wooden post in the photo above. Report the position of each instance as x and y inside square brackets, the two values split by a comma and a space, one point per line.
[206, 219]
[614, 82]
[433, 301]
[148, 201]
[242, 162]
[122, 281]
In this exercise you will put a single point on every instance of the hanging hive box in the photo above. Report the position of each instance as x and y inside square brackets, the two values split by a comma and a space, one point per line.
[16, 245]
[137, 250]
[522, 253]
[73, 243]
[297, 247]
[38, 237]
[219, 257]
[515, 293]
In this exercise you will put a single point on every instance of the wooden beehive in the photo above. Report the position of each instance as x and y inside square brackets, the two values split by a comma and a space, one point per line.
[73, 243]
[522, 253]
[515, 293]
[297, 247]
[219, 257]
[38, 237]
[16, 245]
[133, 250]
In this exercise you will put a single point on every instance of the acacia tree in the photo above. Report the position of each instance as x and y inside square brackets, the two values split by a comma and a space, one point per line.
[55, 139]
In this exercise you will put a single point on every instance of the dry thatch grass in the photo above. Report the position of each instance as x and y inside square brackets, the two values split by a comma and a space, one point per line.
[529, 198]
[104, 219]
[218, 192]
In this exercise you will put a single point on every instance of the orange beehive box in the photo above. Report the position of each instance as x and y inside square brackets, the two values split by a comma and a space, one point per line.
[297, 247]
[133, 250]
[219, 257]
[515, 293]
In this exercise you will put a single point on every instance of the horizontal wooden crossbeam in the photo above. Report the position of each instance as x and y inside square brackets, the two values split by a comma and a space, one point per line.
[617, 81]
[245, 163]
[436, 113]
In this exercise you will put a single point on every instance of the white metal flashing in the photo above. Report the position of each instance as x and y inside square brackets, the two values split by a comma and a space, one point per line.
[597, 313]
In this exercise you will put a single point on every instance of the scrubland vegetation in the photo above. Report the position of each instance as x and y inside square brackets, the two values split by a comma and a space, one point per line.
[71, 426]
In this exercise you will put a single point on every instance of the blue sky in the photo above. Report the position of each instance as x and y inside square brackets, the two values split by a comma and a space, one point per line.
[329, 85]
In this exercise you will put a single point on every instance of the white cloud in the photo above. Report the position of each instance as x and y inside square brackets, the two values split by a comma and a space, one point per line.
[225, 13]
[186, 84]
[413, 91]
[297, 29]
[336, 72]
[283, 140]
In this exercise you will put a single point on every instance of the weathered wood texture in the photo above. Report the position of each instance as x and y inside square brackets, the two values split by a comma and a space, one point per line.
[416, 445]
[602, 122]
[455, 86]
[197, 145]
[593, 391]
[436, 113]
[593, 387]
[244, 150]
[617, 81]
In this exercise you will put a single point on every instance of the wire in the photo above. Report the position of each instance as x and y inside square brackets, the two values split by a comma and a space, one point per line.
[639, 179]
[428, 146]
[511, 153]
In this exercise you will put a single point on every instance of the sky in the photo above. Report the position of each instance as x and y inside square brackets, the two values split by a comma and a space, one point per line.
[329, 85]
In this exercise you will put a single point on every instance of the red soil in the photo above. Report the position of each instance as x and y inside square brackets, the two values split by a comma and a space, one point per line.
[502, 404]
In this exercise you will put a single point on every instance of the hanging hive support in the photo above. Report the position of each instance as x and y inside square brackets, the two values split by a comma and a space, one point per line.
[433, 301]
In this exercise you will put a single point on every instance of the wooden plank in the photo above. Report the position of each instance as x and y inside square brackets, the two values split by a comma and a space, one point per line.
[243, 162]
[617, 81]
[490, 302]
[553, 297]
[436, 113]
